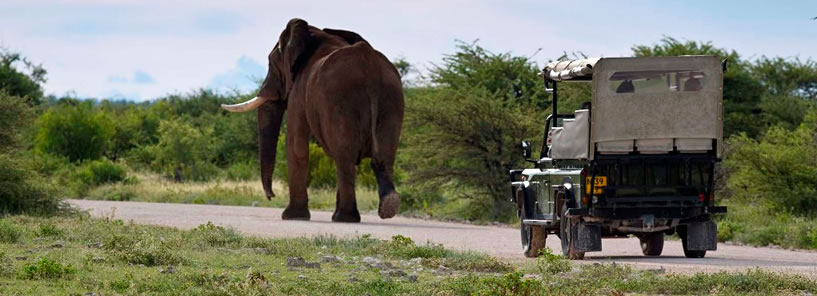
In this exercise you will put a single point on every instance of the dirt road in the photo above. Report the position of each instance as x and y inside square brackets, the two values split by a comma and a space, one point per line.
[497, 241]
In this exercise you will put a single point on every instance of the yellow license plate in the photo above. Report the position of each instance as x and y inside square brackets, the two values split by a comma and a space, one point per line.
[598, 185]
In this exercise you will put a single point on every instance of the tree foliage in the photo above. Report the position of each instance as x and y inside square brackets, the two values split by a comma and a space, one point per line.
[780, 168]
[18, 83]
[185, 151]
[76, 131]
[508, 78]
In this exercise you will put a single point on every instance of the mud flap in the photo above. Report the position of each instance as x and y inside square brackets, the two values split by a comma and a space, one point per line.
[702, 236]
[588, 238]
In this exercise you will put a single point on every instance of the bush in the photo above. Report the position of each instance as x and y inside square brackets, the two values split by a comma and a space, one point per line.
[216, 236]
[242, 171]
[49, 229]
[47, 269]
[185, 152]
[781, 168]
[466, 140]
[142, 248]
[9, 233]
[549, 263]
[323, 171]
[100, 172]
[15, 114]
[75, 131]
[22, 190]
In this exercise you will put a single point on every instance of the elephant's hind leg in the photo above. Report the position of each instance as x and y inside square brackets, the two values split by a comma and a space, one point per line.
[346, 203]
[389, 199]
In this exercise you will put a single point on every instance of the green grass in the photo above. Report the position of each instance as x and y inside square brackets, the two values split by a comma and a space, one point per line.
[110, 257]
[154, 188]
[755, 223]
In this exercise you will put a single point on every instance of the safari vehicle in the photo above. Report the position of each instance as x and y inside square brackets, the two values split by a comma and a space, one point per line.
[638, 159]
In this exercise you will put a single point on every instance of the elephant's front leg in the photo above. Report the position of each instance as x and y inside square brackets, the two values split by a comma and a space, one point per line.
[345, 203]
[298, 168]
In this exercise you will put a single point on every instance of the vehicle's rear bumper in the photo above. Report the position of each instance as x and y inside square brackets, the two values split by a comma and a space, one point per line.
[656, 212]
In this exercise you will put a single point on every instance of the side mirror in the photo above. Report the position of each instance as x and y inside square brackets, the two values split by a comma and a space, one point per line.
[526, 150]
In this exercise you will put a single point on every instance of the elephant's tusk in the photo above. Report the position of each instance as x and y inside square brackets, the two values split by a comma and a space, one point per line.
[245, 106]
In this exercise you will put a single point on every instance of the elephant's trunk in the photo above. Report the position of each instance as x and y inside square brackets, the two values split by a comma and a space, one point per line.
[269, 125]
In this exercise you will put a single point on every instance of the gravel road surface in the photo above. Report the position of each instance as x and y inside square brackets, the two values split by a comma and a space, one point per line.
[498, 241]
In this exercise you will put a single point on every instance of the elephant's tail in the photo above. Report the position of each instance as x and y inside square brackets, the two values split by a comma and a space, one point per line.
[373, 109]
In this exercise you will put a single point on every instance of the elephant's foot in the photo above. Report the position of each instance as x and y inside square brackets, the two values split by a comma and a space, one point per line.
[348, 216]
[389, 205]
[291, 213]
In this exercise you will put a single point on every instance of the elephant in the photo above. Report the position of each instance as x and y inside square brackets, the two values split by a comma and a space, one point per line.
[334, 88]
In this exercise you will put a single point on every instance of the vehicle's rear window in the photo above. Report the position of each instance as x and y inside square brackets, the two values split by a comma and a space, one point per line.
[642, 82]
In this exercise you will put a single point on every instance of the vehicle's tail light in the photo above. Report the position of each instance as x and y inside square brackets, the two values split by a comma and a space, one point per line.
[701, 197]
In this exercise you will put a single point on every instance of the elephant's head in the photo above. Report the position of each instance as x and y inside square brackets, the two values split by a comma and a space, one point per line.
[285, 61]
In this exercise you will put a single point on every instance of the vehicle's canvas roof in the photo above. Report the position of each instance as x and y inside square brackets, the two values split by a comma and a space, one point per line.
[627, 117]
[581, 69]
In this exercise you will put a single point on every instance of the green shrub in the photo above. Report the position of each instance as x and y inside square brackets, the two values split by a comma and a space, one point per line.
[185, 151]
[242, 171]
[113, 192]
[323, 171]
[549, 263]
[785, 161]
[75, 131]
[100, 172]
[15, 114]
[216, 236]
[22, 190]
[509, 284]
[142, 248]
[47, 269]
[49, 229]
[9, 233]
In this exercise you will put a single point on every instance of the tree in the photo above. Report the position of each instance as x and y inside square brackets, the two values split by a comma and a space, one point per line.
[467, 141]
[74, 130]
[184, 151]
[511, 79]
[462, 131]
[22, 190]
[15, 114]
[781, 167]
[17, 83]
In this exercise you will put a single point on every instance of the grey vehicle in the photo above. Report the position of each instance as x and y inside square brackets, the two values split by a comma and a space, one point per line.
[637, 159]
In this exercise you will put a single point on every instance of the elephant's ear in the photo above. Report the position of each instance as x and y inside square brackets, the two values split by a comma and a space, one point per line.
[296, 37]
[350, 37]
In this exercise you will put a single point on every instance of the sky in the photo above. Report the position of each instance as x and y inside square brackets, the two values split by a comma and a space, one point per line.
[146, 49]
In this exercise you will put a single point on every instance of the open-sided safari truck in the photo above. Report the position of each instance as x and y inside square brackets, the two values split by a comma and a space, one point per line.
[639, 159]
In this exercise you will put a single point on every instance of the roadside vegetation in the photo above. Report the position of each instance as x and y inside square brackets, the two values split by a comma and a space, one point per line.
[77, 255]
[465, 116]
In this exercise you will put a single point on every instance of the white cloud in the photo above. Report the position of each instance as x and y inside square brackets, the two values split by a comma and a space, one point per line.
[186, 45]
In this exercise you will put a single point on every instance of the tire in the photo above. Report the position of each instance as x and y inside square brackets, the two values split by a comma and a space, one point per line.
[568, 246]
[534, 237]
[652, 243]
[691, 253]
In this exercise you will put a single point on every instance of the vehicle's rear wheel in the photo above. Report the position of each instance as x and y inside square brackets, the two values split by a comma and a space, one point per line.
[652, 243]
[568, 243]
[533, 236]
[691, 253]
